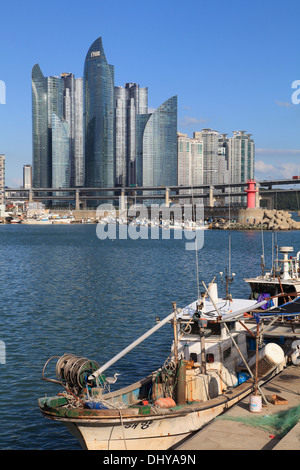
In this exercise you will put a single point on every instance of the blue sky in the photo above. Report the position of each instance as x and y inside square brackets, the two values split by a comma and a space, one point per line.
[231, 63]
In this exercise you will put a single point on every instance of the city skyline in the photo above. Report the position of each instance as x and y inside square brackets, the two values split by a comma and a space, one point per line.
[239, 78]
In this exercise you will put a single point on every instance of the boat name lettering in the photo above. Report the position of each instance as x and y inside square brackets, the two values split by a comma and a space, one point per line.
[144, 425]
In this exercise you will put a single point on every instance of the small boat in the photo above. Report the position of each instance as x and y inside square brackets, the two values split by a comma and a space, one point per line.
[220, 354]
[41, 221]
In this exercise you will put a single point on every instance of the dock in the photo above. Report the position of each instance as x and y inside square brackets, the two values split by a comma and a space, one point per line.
[275, 427]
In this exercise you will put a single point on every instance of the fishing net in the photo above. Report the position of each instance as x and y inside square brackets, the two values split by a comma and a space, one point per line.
[276, 423]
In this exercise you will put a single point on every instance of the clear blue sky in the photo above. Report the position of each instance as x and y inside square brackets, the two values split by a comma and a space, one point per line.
[231, 63]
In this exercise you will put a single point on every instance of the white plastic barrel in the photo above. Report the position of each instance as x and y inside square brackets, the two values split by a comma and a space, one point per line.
[269, 357]
[255, 403]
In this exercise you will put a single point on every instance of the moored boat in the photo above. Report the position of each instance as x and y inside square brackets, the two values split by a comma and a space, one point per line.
[212, 365]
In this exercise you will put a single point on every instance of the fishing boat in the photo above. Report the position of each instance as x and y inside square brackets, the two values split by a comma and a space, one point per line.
[223, 350]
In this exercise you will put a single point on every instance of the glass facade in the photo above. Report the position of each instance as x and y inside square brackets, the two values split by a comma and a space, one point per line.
[241, 154]
[157, 146]
[73, 114]
[99, 122]
[41, 161]
[60, 153]
[63, 97]
[129, 101]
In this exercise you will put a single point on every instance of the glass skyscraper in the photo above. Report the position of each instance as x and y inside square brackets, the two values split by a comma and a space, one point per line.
[157, 146]
[47, 98]
[60, 153]
[129, 101]
[73, 115]
[57, 115]
[99, 122]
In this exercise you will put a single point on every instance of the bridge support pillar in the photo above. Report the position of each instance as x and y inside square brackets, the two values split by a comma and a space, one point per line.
[77, 200]
[167, 200]
[122, 203]
[211, 197]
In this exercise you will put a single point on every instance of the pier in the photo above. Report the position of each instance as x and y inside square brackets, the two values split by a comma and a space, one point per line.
[241, 429]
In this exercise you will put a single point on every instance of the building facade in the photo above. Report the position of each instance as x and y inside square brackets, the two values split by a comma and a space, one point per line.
[57, 101]
[47, 98]
[27, 176]
[61, 164]
[210, 139]
[241, 158]
[73, 115]
[157, 146]
[190, 163]
[129, 101]
[99, 119]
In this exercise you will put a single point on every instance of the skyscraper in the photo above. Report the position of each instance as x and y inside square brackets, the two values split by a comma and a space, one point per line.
[241, 156]
[60, 153]
[99, 122]
[47, 98]
[57, 122]
[190, 163]
[73, 115]
[27, 176]
[209, 138]
[157, 146]
[129, 101]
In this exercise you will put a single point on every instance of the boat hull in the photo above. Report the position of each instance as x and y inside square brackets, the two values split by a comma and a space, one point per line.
[147, 432]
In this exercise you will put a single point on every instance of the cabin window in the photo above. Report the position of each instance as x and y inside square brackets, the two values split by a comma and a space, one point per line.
[226, 353]
[210, 358]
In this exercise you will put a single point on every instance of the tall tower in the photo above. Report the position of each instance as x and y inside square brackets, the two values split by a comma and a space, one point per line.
[129, 101]
[57, 124]
[73, 115]
[99, 122]
[157, 146]
[241, 156]
[209, 138]
[47, 98]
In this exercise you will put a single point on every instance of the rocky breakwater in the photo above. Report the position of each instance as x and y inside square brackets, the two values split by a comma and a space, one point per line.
[279, 220]
[269, 220]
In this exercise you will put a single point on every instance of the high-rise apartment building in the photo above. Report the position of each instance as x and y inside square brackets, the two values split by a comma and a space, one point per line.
[27, 177]
[47, 99]
[57, 114]
[190, 163]
[157, 146]
[73, 115]
[60, 153]
[241, 156]
[209, 138]
[129, 101]
[2, 183]
[99, 121]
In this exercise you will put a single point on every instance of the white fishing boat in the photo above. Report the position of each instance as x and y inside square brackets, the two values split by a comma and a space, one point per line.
[40, 221]
[219, 355]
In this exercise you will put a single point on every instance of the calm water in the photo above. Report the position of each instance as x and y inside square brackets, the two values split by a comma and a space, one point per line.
[64, 290]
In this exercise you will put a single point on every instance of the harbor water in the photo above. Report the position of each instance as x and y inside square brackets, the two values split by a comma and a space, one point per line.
[64, 290]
